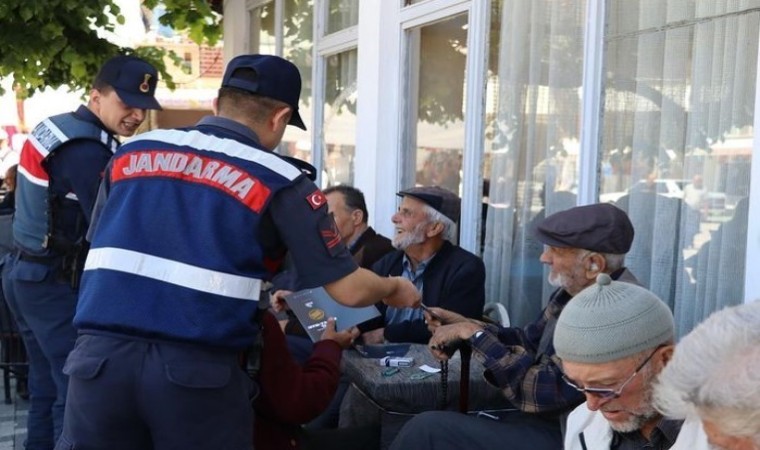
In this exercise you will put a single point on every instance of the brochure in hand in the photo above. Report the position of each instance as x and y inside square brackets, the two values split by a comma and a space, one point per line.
[313, 307]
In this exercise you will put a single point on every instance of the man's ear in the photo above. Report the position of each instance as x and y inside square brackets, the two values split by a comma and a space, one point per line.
[357, 216]
[95, 100]
[435, 229]
[215, 106]
[662, 358]
[282, 115]
[594, 265]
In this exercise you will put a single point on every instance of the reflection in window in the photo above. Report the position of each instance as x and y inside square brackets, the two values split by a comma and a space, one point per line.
[297, 46]
[677, 143]
[439, 85]
[340, 119]
[342, 14]
[262, 29]
[532, 142]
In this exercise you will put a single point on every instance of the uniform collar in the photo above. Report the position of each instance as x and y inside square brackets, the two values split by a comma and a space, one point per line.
[230, 126]
[84, 113]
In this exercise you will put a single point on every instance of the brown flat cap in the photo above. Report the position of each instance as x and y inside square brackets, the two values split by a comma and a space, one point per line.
[601, 227]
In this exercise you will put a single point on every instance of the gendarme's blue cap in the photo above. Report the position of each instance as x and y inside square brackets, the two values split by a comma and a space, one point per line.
[133, 78]
[276, 78]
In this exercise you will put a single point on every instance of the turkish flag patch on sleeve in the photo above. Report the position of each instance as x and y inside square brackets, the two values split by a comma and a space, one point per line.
[316, 199]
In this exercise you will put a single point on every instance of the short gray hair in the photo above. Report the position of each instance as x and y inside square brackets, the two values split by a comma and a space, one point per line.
[450, 232]
[715, 373]
[614, 261]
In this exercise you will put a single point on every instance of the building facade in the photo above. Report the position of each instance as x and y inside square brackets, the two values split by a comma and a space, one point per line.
[528, 107]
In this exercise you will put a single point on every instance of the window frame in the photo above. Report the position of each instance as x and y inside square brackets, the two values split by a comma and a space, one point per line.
[382, 137]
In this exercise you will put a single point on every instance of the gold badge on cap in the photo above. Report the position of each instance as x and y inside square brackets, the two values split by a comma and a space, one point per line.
[144, 86]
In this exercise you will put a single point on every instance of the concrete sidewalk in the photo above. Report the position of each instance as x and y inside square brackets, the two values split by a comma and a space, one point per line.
[12, 420]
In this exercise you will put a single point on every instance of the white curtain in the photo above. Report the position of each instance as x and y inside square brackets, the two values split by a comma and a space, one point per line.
[677, 142]
[533, 117]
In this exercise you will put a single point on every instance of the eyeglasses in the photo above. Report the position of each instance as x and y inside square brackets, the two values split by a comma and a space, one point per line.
[609, 394]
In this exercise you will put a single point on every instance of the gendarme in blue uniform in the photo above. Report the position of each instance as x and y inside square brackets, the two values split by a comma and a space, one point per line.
[194, 272]
[58, 176]
[60, 169]
[195, 223]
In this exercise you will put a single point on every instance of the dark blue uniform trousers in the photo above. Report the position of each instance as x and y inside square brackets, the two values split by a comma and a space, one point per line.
[446, 430]
[130, 394]
[43, 304]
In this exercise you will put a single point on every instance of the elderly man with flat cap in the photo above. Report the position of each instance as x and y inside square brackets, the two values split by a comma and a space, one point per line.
[580, 243]
[613, 340]
[426, 253]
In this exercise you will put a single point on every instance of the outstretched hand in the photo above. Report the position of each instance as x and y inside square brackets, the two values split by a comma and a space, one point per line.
[405, 295]
[435, 317]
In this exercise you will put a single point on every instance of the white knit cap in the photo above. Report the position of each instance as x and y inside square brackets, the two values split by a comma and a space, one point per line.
[611, 320]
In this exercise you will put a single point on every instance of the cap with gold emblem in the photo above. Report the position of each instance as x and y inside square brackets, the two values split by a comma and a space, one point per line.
[133, 79]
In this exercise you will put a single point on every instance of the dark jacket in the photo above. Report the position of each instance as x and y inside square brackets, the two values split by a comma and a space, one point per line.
[291, 395]
[369, 248]
[454, 279]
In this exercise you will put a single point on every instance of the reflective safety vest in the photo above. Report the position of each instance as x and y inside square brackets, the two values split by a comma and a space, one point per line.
[36, 205]
[176, 253]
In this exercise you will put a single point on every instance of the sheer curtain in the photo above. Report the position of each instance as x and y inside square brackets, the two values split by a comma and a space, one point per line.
[339, 119]
[531, 154]
[677, 142]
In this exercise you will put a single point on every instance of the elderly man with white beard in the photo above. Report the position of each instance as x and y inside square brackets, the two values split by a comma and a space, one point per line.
[579, 244]
[426, 253]
[613, 340]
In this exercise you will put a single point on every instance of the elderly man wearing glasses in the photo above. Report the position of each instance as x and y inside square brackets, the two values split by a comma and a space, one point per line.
[613, 340]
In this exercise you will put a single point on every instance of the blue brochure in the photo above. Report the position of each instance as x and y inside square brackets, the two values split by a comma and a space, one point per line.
[312, 308]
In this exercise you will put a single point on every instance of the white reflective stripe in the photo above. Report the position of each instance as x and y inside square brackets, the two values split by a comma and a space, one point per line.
[174, 272]
[55, 130]
[229, 147]
[72, 196]
[39, 148]
[32, 179]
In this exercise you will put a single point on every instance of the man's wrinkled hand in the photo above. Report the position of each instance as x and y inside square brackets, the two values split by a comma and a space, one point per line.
[448, 335]
[435, 317]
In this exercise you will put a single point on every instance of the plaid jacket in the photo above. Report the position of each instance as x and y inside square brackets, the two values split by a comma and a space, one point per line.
[522, 362]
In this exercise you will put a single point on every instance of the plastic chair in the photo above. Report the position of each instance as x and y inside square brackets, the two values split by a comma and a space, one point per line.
[497, 313]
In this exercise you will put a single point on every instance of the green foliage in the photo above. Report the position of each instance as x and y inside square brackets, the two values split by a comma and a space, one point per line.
[53, 43]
